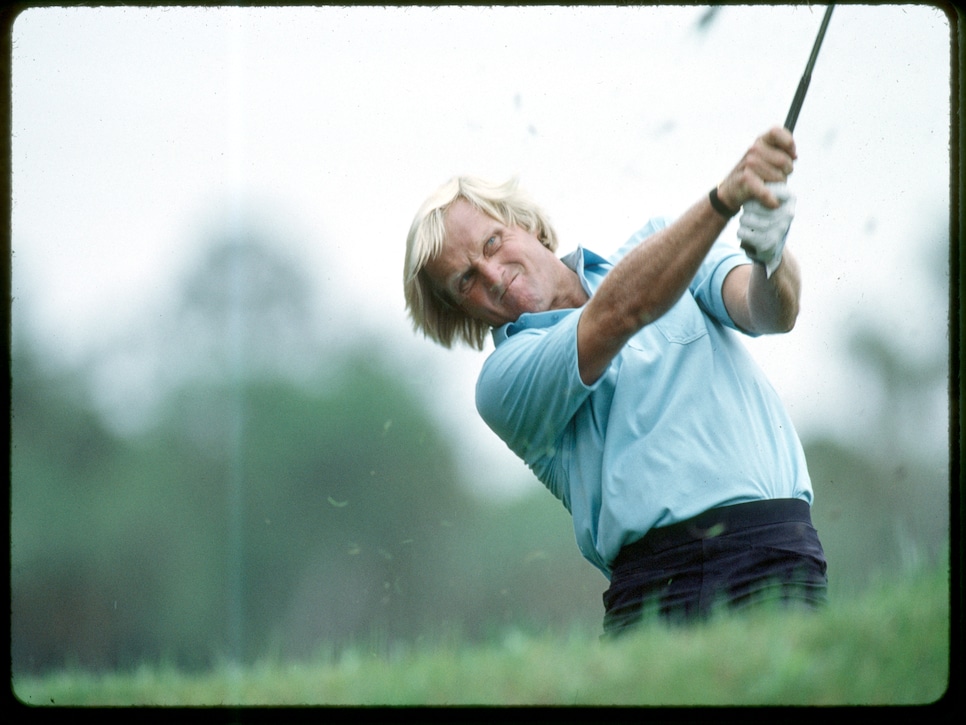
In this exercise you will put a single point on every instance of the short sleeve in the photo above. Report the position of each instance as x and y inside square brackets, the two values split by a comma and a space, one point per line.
[708, 282]
[530, 389]
[707, 285]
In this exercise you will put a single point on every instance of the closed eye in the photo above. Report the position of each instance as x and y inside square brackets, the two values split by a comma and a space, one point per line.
[464, 282]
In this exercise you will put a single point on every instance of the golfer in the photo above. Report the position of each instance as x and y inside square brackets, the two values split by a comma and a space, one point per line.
[623, 384]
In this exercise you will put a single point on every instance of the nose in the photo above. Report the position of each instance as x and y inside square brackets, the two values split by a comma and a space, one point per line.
[492, 274]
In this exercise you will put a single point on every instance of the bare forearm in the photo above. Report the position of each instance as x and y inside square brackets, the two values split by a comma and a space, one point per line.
[652, 277]
[773, 302]
[760, 304]
[645, 285]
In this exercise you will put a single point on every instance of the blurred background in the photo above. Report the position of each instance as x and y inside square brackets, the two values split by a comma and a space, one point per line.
[226, 440]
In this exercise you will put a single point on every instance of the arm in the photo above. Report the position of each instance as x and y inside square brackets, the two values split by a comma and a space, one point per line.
[654, 275]
[762, 304]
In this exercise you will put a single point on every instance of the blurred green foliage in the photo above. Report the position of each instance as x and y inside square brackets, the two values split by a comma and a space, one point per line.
[888, 646]
[267, 512]
[261, 510]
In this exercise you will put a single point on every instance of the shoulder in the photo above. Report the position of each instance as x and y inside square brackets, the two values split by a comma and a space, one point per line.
[537, 336]
[653, 225]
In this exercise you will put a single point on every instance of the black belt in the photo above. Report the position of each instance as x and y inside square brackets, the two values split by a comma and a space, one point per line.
[715, 522]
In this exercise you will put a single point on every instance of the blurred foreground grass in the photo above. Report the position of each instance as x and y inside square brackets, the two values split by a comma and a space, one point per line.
[889, 646]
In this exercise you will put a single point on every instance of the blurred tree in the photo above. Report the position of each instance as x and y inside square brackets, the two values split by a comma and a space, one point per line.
[874, 518]
[329, 503]
[89, 555]
[884, 503]
[265, 507]
[287, 508]
[245, 310]
[58, 451]
[906, 386]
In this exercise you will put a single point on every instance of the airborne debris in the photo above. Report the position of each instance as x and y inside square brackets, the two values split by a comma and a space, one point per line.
[715, 530]
[707, 18]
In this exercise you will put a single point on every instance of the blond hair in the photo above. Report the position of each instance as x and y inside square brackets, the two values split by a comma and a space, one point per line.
[430, 308]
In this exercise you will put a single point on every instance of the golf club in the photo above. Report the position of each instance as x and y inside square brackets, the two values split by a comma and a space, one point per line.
[807, 76]
[800, 93]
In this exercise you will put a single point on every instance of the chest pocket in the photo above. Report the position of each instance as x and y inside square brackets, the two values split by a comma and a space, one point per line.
[683, 323]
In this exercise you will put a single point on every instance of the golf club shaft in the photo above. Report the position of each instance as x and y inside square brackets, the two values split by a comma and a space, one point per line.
[807, 76]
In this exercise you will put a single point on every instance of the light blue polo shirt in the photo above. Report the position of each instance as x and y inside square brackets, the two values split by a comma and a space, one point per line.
[683, 419]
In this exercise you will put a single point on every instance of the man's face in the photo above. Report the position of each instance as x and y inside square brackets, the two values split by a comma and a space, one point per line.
[494, 273]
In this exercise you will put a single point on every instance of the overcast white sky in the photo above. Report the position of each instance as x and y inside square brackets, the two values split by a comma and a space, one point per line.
[133, 127]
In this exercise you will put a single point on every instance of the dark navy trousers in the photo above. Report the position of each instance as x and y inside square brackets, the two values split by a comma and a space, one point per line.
[733, 557]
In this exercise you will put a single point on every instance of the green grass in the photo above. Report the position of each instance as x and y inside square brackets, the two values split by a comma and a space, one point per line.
[888, 646]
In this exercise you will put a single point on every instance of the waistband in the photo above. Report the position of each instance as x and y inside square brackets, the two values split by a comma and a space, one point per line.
[715, 522]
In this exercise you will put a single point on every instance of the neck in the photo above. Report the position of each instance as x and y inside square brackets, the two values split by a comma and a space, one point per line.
[572, 291]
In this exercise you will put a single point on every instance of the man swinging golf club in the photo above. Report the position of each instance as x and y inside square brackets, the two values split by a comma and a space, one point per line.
[622, 382]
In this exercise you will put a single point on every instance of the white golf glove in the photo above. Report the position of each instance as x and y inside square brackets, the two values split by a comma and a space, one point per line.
[762, 231]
